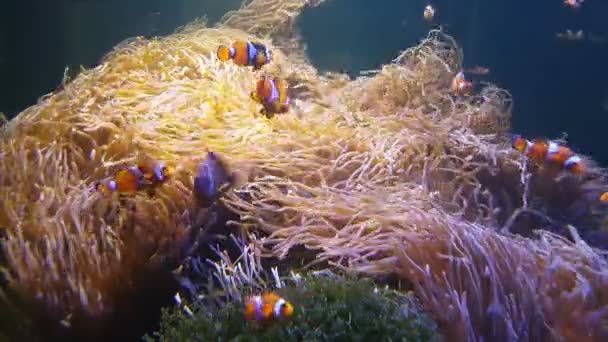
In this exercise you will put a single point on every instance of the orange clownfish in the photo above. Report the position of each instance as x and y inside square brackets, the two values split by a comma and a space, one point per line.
[573, 3]
[519, 143]
[604, 197]
[125, 181]
[575, 165]
[245, 54]
[460, 85]
[154, 172]
[429, 12]
[535, 150]
[558, 154]
[272, 94]
[267, 307]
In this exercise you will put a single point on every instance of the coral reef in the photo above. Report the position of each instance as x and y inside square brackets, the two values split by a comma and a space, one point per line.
[387, 175]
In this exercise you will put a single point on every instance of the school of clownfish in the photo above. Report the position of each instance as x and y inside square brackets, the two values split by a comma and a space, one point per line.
[212, 176]
[542, 151]
[545, 152]
[271, 93]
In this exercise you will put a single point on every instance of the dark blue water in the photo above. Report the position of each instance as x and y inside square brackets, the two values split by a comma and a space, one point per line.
[558, 86]
[39, 38]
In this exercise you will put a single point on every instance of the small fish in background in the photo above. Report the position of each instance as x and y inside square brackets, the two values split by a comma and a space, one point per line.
[126, 182]
[267, 307]
[212, 178]
[154, 171]
[429, 13]
[519, 143]
[571, 35]
[460, 85]
[596, 39]
[535, 150]
[542, 151]
[575, 165]
[573, 3]
[478, 70]
[564, 157]
[558, 154]
[245, 54]
[272, 94]
[580, 35]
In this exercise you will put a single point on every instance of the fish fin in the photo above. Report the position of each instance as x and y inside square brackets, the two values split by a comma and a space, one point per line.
[260, 60]
[283, 108]
[268, 114]
[254, 96]
[223, 53]
[150, 191]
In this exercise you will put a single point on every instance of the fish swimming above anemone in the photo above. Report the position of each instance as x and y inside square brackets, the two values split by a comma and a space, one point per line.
[573, 3]
[272, 94]
[429, 12]
[125, 181]
[154, 171]
[535, 150]
[267, 307]
[460, 85]
[543, 151]
[245, 54]
[212, 178]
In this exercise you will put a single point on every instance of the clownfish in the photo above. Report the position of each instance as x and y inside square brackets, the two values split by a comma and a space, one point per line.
[604, 197]
[575, 165]
[211, 179]
[125, 181]
[245, 54]
[542, 151]
[429, 12]
[558, 154]
[566, 158]
[272, 94]
[573, 3]
[154, 172]
[536, 150]
[460, 85]
[519, 143]
[267, 307]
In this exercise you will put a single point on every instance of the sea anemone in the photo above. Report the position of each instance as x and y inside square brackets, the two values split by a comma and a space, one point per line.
[389, 174]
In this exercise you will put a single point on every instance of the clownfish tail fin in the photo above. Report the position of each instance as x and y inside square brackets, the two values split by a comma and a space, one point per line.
[223, 53]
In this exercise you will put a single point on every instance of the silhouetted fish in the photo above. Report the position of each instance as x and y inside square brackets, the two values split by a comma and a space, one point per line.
[212, 177]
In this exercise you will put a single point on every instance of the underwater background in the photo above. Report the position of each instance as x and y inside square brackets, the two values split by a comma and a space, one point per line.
[558, 86]
[390, 175]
